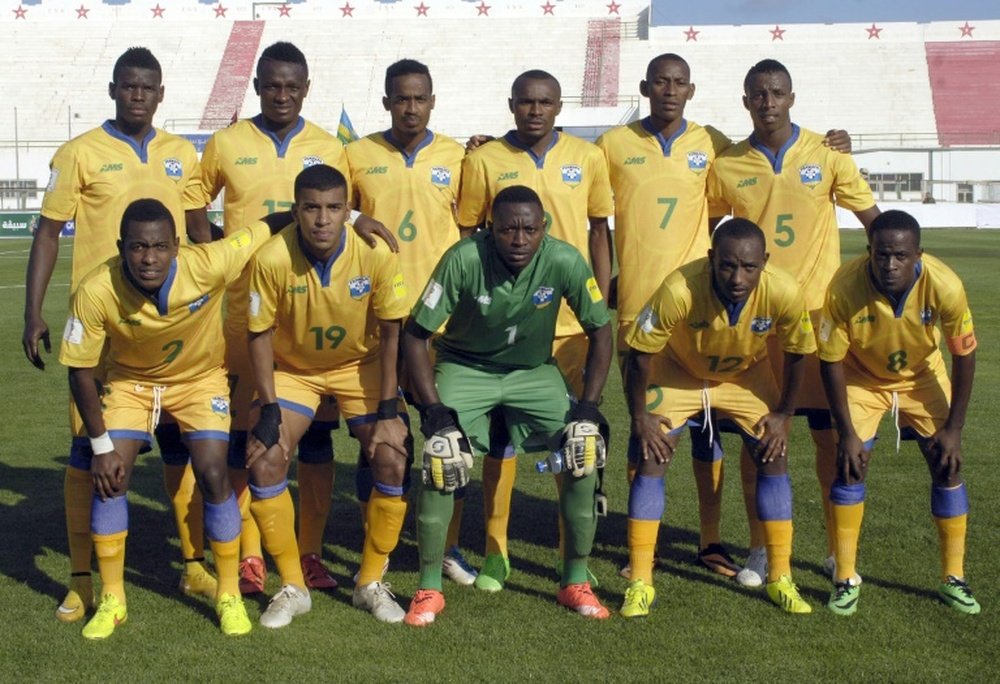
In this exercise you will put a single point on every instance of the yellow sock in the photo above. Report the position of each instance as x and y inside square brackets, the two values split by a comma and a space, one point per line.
[110, 549]
[275, 518]
[642, 547]
[778, 540]
[249, 534]
[78, 492]
[748, 477]
[385, 520]
[189, 513]
[227, 565]
[315, 492]
[951, 534]
[708, 478]
[847, 526]
[498, 486]
[826, 473]
[455, 526]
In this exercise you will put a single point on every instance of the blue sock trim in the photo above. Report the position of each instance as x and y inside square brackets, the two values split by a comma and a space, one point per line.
[506, 452]
[842, 494]
[80, 453]
[949, 502]
[222, 521]
[298, 408]
[269, 491]
[774, 497]
[646, 498]
[110, 516]
[389, 490]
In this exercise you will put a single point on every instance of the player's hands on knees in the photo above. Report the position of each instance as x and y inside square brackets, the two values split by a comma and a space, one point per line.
[838, 139]
[267, 434]
[391, 432]
[945, 447]
[852, 461]
[772, 431]
[35, 331]
[108, 473]
[651, 431]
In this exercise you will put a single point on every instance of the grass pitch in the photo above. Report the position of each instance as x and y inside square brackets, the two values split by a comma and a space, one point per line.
[702, 628]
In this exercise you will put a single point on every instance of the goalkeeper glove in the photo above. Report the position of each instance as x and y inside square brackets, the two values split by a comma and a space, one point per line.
[583, 446]
[447, 452]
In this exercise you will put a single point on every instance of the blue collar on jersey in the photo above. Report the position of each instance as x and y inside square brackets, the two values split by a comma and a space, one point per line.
[897, 304]
[281, 146]
[665, 143]
[141, 149]
[775, 159]
[409, 158]
[323, 268]
[511, 137]
[733, 309]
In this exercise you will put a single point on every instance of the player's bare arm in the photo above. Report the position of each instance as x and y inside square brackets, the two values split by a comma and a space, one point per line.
[418, 363]
[647, 427]
[267, 438]
[389, 428]
[41, 262]
[199, 228]
[368, 228]
[774, 427]
[600, 244]
[595, 373]
[851, 457]
[945, 445]
[838, 140]
[108, 466]
[866, 216]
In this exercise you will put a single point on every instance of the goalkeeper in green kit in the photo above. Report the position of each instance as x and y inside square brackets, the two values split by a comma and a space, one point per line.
[499, 293]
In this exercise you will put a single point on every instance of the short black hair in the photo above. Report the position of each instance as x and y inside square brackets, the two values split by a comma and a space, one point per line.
[894, 219]
[145, 210]
[517, 194]
[766, 66]
[319, 177]
[533, 75]
[136, 58]
[405, 67]
[666, 57]
[738, 229]
[283, 51]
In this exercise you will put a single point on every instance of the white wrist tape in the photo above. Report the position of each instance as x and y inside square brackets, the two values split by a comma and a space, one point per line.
[102, 444]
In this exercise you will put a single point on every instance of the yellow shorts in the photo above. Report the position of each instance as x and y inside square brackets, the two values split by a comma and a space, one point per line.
[357, 388]
[570, 354]
[921, 405]
[678, 396]
[200, 407]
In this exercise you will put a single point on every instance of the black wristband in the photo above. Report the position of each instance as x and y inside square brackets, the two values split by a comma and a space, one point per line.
[266, 430]
[587, 410]
[387, 409]
[271, 413]
[436, 417]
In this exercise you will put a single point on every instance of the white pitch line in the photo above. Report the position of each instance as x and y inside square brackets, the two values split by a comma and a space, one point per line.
[21, 286]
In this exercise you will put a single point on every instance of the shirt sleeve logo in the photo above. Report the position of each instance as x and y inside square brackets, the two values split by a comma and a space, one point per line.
[593, 290]
[647, 320]
[53, 179]
[825, 329]
[432, 294]
[242, 239]
[399, 286]
[254, 303]
[359, 286]
[174, 168]
[74, 331]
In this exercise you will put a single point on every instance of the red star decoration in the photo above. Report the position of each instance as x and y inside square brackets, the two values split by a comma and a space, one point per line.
[484, 9]
[874, 31]
[966, 30]
[778, 33]
[421, 9]
[347, 10]
[613, 7]
[81, 12]
[157, 11]
[19, 12]
[220, 11]
[283, 10]
[691, 34]
[548, 7]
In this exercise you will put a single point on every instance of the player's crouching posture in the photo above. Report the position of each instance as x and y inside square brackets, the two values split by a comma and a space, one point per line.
[698, 347]
[879, 352]
[157, 306]
[324, 319]
[499, 293]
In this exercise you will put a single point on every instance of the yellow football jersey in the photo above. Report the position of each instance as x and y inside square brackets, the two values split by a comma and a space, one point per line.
[571, 178]
[412, 195]
[95, 176]
[174, 337]
[716, 341]
[883, 342]
[661, 215]
[324, 314]
[791, 197]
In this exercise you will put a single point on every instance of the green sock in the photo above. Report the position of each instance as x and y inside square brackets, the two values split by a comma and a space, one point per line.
[433, 515]
[580, 517]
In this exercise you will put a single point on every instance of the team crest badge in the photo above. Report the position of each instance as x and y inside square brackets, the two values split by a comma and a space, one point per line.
[311, 161]
[542, 297]
[174, 168]
[198, 303]
[441, 176]
[810, 174]
[359, 286]
[647, 320]
[927, 316]
[761, 324]
[572, 174]
[220, 405]
[697, 161]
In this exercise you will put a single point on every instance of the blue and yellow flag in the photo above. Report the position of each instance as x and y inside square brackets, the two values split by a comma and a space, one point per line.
[345, 129]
